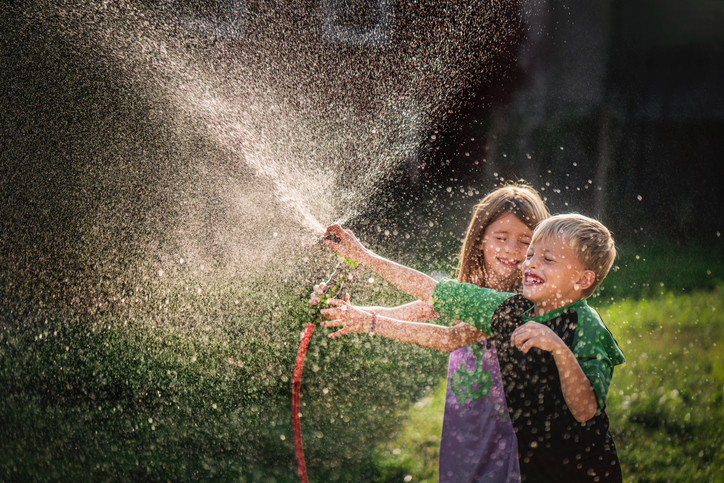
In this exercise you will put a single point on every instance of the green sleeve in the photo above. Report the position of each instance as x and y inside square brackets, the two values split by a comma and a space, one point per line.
[467, 303]
[596, 351]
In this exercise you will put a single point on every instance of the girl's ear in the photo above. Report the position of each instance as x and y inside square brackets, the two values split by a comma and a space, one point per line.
[587, 278]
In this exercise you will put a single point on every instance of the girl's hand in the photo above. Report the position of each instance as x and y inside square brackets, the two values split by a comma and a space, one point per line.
[350, 318]
[533, 334]
[344, 242]
[318, 290]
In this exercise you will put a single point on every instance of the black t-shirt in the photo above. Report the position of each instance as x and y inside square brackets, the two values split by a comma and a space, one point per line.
[552, 445]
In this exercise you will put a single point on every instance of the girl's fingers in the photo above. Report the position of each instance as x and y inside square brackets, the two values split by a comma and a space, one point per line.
[333, 323]
[337, 334]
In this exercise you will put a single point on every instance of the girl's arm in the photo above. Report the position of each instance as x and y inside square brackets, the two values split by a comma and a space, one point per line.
[417, 311]
[577, 389]
[430, 336]
[406, 279]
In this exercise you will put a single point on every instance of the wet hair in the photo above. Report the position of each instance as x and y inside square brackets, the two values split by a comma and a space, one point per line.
[591, 242]
[518, 199]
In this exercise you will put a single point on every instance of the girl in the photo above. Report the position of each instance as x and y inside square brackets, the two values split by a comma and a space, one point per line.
[478, 443]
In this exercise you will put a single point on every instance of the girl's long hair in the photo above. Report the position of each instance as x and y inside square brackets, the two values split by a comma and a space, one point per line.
[517, 198]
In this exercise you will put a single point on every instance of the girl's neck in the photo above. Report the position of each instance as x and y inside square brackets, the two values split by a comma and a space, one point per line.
[496, 284]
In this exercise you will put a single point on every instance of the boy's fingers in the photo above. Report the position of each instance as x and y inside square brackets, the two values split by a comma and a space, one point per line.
[525, 347]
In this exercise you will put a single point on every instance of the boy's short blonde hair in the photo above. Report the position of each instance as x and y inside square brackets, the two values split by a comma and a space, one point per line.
[590, 240]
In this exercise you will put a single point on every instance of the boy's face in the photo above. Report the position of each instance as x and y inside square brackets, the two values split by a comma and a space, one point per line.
[552, 275]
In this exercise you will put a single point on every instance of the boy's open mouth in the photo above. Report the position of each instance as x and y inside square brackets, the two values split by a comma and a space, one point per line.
[530, 278]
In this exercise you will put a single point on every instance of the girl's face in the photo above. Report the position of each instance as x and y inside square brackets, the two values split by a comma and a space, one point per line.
[504, 244]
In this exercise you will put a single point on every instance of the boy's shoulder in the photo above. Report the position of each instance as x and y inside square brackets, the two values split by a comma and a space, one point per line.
[593, 339]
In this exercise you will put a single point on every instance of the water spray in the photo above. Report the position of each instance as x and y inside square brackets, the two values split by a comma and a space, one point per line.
[333, 289]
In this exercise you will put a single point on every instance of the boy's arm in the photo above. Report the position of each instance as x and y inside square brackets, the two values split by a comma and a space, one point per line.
[577, 389]
[430, 336]
[406, 279]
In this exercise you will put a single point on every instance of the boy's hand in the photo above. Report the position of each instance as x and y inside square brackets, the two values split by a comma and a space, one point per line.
[350, 318]
[533, 334]
[342, 241]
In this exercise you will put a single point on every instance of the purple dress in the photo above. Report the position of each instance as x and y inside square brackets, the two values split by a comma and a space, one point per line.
[478, 443]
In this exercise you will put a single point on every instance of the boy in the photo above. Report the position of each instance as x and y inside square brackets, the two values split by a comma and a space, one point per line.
[555, 353]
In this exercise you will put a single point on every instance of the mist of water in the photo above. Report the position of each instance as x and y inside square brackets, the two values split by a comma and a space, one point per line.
[224, 148]
[166, 180]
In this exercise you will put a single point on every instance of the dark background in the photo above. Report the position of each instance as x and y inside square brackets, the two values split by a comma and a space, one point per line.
[613, 109]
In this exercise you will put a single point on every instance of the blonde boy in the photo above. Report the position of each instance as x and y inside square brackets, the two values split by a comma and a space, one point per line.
[556, 355]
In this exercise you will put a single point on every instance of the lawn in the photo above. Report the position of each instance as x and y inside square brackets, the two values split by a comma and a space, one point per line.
[191, 381]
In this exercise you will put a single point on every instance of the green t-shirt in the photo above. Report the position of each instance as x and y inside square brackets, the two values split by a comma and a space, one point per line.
[593, 345]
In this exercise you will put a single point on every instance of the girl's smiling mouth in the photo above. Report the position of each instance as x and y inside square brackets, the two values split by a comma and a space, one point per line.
[509, 262]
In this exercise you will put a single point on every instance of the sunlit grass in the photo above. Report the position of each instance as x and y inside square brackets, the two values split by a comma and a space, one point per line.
[191, 381]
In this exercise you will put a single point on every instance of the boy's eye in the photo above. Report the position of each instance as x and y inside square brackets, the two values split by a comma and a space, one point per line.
[501, 238]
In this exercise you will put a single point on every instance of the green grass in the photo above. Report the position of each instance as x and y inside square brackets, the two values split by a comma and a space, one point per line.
[191, 381]
[667, 402]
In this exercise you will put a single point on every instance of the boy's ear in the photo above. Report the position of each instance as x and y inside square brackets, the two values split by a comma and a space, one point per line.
[587, 278]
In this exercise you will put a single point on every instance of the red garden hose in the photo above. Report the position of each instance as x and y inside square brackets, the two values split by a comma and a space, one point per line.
[296, 383]
[333, 286]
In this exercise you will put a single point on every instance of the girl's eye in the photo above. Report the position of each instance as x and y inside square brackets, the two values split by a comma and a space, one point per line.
[548, 259]
[501, 239]
[526, 243]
